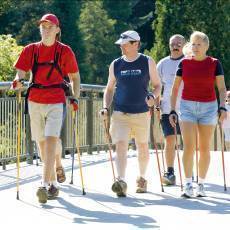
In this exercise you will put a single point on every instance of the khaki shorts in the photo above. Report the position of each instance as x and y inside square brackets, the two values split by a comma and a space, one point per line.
[45, 120]
[126, 125]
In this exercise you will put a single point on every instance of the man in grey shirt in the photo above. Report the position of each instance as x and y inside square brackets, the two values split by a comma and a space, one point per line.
[166, 68]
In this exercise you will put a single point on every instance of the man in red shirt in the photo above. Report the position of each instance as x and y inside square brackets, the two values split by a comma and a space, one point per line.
[50, 61]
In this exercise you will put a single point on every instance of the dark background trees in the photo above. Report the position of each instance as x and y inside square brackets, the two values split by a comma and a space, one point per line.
[91, 27]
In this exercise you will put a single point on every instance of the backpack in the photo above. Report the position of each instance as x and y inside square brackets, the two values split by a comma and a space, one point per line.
[65, 85]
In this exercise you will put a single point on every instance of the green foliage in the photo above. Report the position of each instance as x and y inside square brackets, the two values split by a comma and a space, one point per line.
[133, 14]
[184, 17]
[99, 36]
[91, 27]
[9, 51]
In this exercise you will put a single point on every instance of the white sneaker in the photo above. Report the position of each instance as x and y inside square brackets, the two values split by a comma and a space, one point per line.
[200, 190]
[188, 191]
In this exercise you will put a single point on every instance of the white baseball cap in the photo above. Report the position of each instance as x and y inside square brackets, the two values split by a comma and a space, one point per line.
[127, 36]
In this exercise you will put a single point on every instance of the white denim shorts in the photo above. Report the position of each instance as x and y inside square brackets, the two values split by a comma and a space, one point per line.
[205, 113]
[45, 120]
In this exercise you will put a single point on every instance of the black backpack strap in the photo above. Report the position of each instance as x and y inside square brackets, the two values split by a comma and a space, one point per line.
[55, 65]
[34, 59]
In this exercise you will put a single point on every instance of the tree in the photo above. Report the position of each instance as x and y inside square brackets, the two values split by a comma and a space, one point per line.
[184, 17]
[99, 36]
[133, 15]
[9, 52]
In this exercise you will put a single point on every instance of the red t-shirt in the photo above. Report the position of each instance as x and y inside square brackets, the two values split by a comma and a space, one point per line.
[67, 63]
[199, 78]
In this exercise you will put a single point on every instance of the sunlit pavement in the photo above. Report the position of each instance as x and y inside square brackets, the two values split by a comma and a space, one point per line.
[100, 208]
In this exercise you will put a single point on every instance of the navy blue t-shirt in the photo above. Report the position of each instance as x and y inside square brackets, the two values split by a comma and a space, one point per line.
[132, 80]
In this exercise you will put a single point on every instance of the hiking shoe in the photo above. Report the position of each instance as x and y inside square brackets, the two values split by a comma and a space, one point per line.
[52, 192]
[200, 190]
[141, 185]
[60, 174]
[42, 195]
[169, 179]
[120, 188]
[188, 191]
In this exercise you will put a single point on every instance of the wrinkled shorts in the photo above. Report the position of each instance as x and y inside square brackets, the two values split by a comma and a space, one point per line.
[166, 126]
[205, 113]
[126, 125]
[45, 120]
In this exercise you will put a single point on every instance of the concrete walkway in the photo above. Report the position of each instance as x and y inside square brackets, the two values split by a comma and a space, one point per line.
[101, 209]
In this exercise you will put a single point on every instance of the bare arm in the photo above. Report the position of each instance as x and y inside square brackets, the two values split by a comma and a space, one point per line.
[110, 87]
[222, 89]
[174, 92]
[154, 78]
[75, 82]
[21, 74]
[222, 95]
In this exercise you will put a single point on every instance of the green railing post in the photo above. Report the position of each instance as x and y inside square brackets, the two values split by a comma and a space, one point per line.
[29, 143]
[64, 135]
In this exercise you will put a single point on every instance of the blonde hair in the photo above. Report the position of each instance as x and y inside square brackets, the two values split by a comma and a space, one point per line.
[187, 50]
[201, 35]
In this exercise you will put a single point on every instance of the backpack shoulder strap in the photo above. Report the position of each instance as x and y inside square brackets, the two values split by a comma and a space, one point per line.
[57, 58]
[34, 61]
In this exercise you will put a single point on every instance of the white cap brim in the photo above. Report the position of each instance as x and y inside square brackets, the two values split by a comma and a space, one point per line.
[121, 41]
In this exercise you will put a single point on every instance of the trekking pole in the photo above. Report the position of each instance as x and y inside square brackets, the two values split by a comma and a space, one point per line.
[74, 145]
[178, 158]
[222, 152]
[79, 156]
[155, 146]
[19, 99]
[162, 150]
[110, 148]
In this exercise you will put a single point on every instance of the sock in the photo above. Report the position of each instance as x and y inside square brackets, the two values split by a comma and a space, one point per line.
[170, 170]
[142, 177]
[188, 180]
[201, 180]
[44, 184]
[54, 183]
[121, 178]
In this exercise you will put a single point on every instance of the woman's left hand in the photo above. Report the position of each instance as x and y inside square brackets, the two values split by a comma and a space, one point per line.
[222, 115]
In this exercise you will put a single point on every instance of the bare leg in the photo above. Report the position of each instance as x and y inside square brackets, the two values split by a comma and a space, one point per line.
[47, 150]
[188, 130]
[121, 158]
[58, 154]
[227, 144]
[170, 150]
[143, 158]
[205, 137]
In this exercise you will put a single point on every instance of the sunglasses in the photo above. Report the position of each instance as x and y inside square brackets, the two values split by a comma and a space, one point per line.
[124, 36]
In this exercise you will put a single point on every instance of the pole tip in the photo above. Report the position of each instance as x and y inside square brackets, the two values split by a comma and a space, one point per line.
[83, 192]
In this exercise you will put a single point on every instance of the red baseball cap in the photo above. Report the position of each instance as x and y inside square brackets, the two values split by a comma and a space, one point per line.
[49, 18]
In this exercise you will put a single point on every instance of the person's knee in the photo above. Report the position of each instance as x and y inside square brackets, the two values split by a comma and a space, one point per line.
[170, 142]
[121, 147]
[143, 149]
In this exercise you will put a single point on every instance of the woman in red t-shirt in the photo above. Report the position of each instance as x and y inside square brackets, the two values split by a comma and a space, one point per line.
[49, 61]
[199, 109]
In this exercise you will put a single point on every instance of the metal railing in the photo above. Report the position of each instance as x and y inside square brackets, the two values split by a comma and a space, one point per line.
[90, 129]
